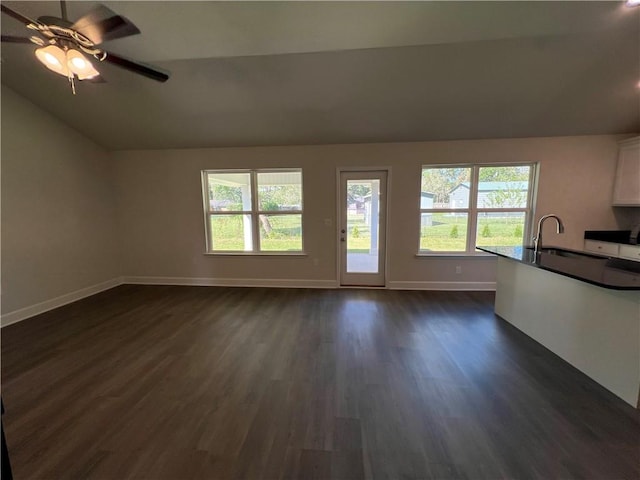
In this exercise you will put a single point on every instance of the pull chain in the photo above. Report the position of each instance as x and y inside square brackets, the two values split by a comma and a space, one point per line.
[73, 83]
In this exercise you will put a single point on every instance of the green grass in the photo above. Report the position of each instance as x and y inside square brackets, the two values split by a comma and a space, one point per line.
[502, 231]
[441, 236]
[286, 236]
[227, 233]
[359, 242]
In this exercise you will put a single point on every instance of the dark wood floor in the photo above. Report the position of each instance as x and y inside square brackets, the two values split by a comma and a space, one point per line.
[213, 383]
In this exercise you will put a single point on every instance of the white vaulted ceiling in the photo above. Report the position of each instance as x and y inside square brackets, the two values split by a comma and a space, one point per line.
[274, 73]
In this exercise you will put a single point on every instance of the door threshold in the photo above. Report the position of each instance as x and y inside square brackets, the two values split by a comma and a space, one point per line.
[366, 287]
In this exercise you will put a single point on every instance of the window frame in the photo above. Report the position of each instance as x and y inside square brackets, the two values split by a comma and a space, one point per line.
[472, 210]
[254, 213]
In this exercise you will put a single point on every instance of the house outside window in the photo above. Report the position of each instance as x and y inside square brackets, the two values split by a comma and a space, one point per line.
[462, 206]
[253, 211]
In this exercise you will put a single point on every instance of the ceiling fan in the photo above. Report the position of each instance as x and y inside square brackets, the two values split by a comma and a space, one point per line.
[64, 46]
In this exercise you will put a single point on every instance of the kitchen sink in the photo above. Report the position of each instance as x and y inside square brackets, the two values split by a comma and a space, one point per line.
[610, 263]
[561, 252]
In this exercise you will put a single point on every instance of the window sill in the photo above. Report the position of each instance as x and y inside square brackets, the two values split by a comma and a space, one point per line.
[256, 254]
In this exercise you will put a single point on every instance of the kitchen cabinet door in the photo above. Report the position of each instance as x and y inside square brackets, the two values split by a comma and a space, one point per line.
[626, 191]
[632, 252]
[602, 248]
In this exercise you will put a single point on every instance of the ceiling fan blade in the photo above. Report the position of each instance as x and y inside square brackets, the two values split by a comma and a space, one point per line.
[12, 39]
[96, 15]
[140, 68]
[102, 24]
[50, 20]
[18, 16]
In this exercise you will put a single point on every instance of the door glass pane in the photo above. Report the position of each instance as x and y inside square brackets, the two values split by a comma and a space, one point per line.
[230, 233]
[443, 232]
[500, 229]
[363, 225]
[281, 233]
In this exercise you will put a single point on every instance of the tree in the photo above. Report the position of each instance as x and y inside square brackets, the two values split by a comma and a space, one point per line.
[230, 196]
[357, 192]
[504, 174]
[510, 197]
[266, 224]
[513, 178]
[440, 181]
[279, 197]
[518, 231]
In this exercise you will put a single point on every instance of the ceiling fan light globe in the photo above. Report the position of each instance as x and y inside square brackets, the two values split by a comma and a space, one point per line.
[79, 63]
[53, 58]
[89, 77]
[80, 66]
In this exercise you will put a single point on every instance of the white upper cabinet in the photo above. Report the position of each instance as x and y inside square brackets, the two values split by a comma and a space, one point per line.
[626, 191]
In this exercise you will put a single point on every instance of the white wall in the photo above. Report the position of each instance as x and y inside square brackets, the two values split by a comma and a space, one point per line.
[59, 240]
[76, 218]
[162, 227]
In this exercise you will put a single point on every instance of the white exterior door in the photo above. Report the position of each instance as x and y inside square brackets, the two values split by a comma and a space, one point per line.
[362, 228]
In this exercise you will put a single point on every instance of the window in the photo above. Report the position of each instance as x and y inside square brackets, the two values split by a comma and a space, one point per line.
[465, 206]
[253, 211]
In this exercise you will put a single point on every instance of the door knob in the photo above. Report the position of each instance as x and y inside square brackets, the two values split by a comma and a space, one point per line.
[342, 231]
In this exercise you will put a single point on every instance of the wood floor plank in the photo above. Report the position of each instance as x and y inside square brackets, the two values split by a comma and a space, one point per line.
[155, 382]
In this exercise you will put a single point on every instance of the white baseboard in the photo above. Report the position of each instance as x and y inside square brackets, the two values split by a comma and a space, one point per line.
[454, 286]
[38, 308]
[232, 282]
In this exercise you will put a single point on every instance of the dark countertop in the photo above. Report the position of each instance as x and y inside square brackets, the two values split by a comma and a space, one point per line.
[613, 273]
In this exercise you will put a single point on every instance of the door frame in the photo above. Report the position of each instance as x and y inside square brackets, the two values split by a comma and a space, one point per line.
[339, 213]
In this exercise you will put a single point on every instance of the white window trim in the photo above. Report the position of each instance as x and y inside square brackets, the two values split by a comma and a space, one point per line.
[254, 213]
[473, 210]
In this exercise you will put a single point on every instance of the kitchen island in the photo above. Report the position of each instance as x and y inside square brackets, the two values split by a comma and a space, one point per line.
[584, 308]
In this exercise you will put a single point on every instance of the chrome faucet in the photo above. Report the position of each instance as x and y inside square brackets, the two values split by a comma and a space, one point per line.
[537, 240]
